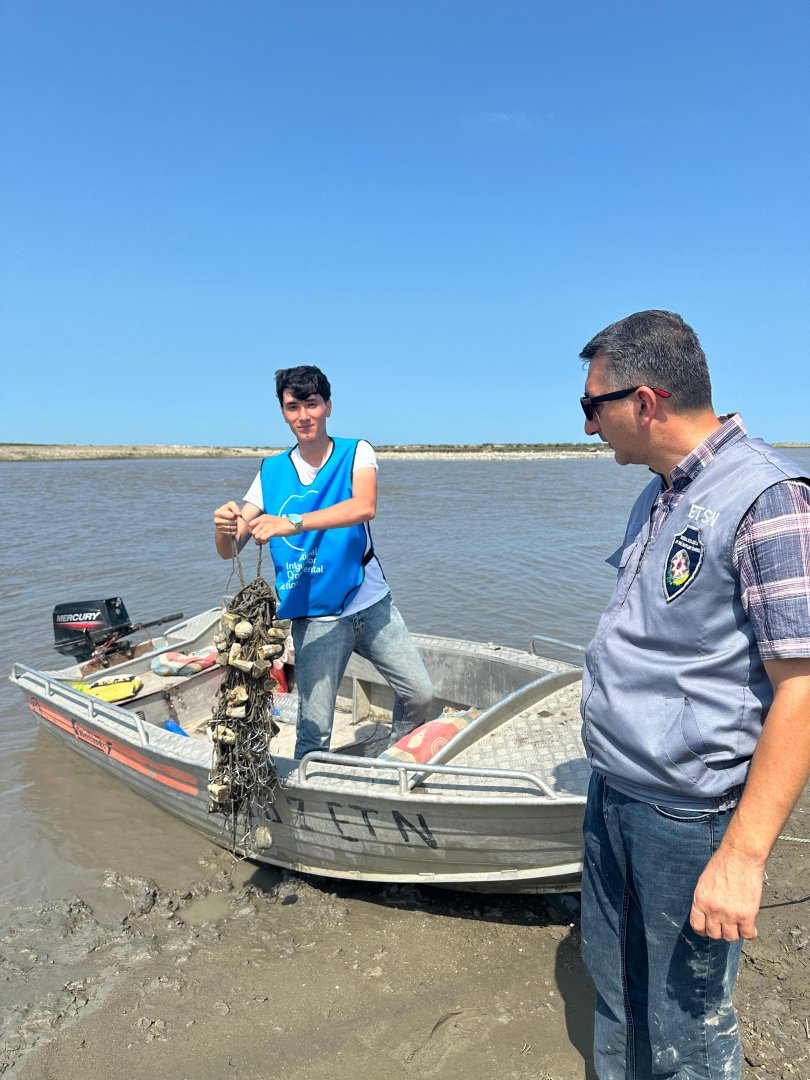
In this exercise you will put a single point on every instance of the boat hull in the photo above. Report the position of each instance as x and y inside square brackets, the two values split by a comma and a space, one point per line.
[337, 829]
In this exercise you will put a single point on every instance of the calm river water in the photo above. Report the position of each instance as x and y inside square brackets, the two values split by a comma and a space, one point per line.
[490, 551]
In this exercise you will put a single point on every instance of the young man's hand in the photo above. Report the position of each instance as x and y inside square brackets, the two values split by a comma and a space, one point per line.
[267, 526]
[226, 518]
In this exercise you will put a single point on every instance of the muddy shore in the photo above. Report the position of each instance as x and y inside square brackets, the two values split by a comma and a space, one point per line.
[254, 973]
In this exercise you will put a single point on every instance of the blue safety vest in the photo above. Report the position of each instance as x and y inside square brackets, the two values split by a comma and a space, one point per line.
[317, 573]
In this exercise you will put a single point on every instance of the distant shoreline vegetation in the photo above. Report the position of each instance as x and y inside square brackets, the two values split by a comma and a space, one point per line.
[71, 452]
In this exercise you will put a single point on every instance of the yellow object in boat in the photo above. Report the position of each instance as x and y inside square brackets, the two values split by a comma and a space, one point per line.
[112, 688]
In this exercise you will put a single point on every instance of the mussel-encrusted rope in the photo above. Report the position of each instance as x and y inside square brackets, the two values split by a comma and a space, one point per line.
[243, 773]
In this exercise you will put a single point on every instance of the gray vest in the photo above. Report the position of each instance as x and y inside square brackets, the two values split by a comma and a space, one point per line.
[674, 692]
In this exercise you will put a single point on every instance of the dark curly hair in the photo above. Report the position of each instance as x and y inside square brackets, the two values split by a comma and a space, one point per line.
[302, 382]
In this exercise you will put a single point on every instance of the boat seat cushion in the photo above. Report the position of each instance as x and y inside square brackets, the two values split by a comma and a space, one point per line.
[423, 743]
[178, 663]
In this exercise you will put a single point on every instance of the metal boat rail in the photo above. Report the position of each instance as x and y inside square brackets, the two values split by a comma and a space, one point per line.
[496, 714]
[405, 768]
[109, 718]
[92, 707]
[552, 641]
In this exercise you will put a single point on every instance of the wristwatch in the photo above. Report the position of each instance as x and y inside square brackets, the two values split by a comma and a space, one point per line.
[297, 521]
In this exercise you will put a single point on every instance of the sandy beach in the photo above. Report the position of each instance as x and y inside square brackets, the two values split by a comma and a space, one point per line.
[483, 452]
[54, 452]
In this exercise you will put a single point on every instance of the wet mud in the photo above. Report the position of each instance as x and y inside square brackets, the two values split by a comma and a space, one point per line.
[249, 972]
[254, 973]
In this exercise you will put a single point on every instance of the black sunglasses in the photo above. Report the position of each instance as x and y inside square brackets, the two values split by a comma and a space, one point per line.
[588, 403]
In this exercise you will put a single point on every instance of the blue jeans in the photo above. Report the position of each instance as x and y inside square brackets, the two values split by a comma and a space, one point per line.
[663, 1007]
[322, 651]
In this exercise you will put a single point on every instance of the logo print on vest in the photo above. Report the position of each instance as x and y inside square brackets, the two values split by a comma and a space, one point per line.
[684, 560]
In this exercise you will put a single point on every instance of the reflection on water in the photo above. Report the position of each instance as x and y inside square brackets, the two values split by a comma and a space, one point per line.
[491, 551]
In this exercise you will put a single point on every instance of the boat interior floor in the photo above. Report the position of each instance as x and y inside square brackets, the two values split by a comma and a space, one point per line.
[364, 738]
[543, 740]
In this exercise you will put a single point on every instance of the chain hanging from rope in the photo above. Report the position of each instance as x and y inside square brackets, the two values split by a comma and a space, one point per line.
[243, 774]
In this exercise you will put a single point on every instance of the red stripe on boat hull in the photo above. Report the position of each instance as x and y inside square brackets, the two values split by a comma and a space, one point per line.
[168, 775]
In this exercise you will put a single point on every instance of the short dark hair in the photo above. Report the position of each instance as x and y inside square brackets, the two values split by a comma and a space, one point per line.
[655, 348]
[302, 382]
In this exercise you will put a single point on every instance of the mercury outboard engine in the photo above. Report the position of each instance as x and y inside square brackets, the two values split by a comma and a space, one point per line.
[81, 628]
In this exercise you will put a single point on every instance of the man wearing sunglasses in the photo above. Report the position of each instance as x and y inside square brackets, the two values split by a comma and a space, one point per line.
[695, 704]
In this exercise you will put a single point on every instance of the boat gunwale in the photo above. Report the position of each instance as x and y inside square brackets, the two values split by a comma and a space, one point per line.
[424, 793]
[124, 723]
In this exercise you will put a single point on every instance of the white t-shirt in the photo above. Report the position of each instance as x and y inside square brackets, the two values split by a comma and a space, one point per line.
[374, 586]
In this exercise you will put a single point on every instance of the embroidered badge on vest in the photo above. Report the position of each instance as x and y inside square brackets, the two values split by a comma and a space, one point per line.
[684, 560]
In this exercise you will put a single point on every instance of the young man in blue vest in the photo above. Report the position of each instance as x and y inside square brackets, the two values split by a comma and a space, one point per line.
[312, 505]
[695, 705]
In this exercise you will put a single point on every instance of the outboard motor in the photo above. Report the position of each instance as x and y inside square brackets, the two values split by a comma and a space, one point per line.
[81, 628]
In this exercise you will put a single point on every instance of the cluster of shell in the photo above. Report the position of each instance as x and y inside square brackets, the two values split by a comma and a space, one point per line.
[242, 725]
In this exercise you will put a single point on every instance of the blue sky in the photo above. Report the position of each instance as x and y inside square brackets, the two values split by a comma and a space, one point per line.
[439, 203]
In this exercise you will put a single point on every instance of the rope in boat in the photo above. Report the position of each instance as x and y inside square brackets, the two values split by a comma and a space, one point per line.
[243, 774]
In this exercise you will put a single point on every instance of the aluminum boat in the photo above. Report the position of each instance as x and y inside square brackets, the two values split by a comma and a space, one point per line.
[498, 807]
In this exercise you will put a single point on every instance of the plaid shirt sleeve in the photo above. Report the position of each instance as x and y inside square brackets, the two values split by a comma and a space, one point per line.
[772, 557]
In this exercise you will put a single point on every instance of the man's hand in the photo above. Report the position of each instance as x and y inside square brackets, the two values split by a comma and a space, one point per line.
[232, 527]
[267, 526]
[727, 896]
[226, 519]
[729, 890]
